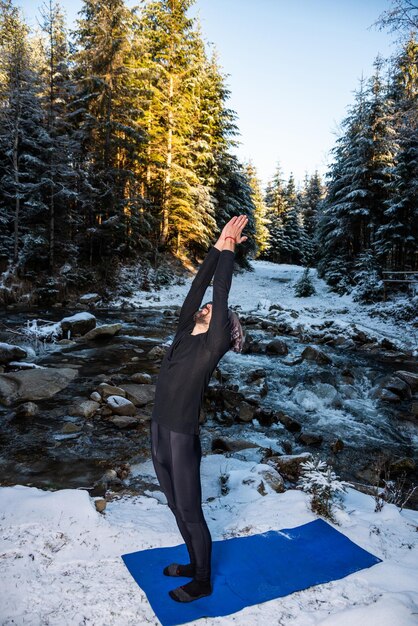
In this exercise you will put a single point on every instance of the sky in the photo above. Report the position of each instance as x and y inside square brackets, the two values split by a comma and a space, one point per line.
[293, 67]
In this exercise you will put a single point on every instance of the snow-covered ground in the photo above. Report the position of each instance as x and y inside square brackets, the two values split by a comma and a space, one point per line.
[61, 560]
[272, 283]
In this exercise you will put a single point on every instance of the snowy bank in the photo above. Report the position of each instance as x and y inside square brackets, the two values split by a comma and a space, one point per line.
[61, 562]
[273, 283]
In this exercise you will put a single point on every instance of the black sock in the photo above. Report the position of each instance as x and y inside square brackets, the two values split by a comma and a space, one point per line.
[176, 569]
[191, 591]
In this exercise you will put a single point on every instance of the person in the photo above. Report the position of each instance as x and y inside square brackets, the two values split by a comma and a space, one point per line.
[203, 335]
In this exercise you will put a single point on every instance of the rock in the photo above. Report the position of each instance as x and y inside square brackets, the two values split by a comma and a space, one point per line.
[78, 324]
[139, 394]
[100, 504]
[231, 397]
[387, 345]
[106, 330]
[273, 479]
[312, 353]
[120, 405]
[255, 375]
[389, 396]
[9, 352]
[27, 409]
[95, 396]
[141, 377]
[124, 421]
[106, 390]
[89, 298]
[277, 346]
[86, 409]
[246, 412]
[229, 445]
[337, 446]
[414, 408]
[310, 439]
[288, 465]
[405, 464]
[264, 416]
[69, 427]
[34, 384]
[157, 352]
[289, 423]
[399, 386]
[408, 377]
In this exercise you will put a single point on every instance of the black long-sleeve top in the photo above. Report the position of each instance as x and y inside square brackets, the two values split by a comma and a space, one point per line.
[190, 360]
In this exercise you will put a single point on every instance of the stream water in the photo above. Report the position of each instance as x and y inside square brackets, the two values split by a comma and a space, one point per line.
[34, 450]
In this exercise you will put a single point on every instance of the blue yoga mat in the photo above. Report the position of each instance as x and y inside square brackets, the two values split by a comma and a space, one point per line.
[249, 570]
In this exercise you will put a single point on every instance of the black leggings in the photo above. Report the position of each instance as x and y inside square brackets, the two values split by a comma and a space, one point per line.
[176, 458]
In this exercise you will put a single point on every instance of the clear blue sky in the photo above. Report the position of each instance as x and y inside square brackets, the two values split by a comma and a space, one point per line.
[293, 68]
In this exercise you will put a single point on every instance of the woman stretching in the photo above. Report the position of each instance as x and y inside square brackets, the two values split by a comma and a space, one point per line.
[202, 337]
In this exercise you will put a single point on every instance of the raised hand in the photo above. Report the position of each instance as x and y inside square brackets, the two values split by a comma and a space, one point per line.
[233, 228]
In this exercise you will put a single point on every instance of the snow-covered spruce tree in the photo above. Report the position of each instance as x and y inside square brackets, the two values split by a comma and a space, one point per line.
[357, 186]
[292, 235]
[57, 90]
[319, 480]
[367, 276]
[262, 236]
[23, 147]
[304, 286]
[108, 133]
[397, 236]
[233, 195]
[276, 208]
[311, 210]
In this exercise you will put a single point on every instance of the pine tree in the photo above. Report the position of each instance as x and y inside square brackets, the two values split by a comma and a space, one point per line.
[57, 92]
[276, 208]
[292, 244]
[108, 132]
[23, 146]
[261, 222]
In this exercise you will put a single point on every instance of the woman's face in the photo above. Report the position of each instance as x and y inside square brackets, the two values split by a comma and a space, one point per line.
[204, 314]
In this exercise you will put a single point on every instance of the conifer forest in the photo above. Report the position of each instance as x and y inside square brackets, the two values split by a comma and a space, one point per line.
[116, 144]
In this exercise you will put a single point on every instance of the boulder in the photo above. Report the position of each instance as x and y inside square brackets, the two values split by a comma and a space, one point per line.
[277, 346]
[273, 479]
[89, 298]
[139, 394]
[312, 353]
[289, 465]
[157, 352]
[9, 352]
[27, 409]
[141, 377]
[34, 384]
[78, 324]
[246, 411]
[292, 425]
[106, 330]
[86, 409]
[106, 390]
[408, 377]
[310, 439]
[124, 421]
[120, 405]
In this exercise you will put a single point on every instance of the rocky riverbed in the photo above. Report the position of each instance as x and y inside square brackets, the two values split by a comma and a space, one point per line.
[75, 408]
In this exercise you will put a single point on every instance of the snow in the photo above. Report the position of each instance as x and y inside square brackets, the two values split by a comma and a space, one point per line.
[61, 560]
[272, 283]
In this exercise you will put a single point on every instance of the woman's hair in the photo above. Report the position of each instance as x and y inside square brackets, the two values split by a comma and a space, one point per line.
[237, 334]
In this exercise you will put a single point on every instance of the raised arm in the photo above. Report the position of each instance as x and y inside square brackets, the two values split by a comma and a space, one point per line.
[198, 287]
[219, 322]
